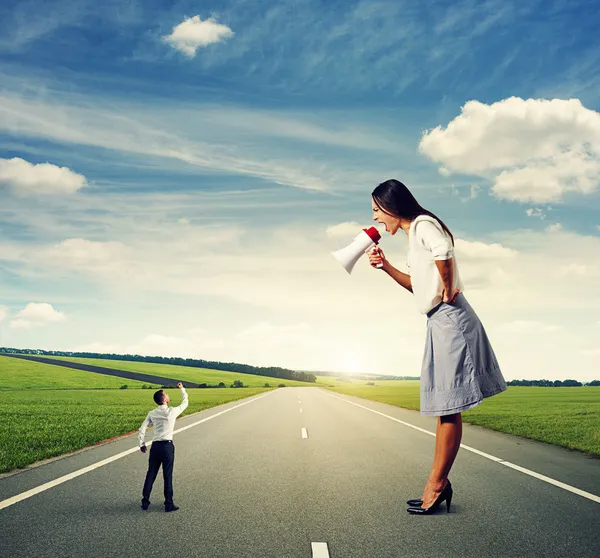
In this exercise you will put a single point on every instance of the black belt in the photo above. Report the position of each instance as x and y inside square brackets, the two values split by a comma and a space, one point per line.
[163, 442]
[434, 310]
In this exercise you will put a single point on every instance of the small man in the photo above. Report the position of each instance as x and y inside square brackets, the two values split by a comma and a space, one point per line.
[162, 451]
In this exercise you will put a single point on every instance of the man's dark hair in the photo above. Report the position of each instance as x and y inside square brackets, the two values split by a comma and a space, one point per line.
[159, 396]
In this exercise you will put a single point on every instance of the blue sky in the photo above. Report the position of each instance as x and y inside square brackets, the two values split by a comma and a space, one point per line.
[204, 183]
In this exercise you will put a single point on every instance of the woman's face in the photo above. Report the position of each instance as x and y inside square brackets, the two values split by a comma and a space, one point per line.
[392, 224]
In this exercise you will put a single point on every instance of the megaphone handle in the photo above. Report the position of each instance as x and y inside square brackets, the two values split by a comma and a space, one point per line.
[379, 266]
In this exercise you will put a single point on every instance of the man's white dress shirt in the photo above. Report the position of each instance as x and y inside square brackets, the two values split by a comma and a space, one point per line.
[428, 242]
[163, 419]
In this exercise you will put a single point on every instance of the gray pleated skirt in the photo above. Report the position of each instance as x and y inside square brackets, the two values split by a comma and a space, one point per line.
[459, 365]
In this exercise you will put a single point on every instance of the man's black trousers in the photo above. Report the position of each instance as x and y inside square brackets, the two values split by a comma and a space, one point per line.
[161, 453]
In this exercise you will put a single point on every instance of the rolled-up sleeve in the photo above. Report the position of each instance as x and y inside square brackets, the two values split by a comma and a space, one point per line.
[184, 403]
[433, 238]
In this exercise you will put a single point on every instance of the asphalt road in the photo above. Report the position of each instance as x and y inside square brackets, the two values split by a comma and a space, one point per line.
[250, 485]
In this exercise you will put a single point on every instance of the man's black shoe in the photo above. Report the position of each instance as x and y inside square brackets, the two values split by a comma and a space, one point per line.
[171, 508]
[145, 505]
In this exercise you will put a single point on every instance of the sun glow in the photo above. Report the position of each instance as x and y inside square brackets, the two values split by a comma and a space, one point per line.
[351, 362]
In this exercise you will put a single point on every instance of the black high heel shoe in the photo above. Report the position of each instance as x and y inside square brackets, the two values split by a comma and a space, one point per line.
[418, 501]
[415, 502]
[446, 495]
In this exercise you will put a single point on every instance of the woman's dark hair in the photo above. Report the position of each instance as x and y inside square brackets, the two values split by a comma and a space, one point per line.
[159, 396]
[394, 198]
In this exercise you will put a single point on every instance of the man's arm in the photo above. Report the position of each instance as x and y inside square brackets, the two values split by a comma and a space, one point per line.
[184, 400]
[142, 432]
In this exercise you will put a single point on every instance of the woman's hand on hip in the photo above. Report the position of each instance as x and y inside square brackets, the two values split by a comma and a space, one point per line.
[450, 296]
[376, 257]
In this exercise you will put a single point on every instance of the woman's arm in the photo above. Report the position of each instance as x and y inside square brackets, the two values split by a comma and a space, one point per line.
[400, 278]
[446, 269]
[432, 237]
[377, 257]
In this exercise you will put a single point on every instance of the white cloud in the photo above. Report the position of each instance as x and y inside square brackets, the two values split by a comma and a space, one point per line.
[189, 345]
[549, 180]
[482, 264]
[533, 150]
[261, 268]
[36, 314]
[193, 33]
[337, 128]
[475, 250]
[444, 171]
[347, 230]
[536, 212]
[90, 256]
[554, 228]
[3, 312]
[524, 326]
[188, 137]
[472, 192]
[275, 296]
[262, 343]
[26, 178]
[574, 269]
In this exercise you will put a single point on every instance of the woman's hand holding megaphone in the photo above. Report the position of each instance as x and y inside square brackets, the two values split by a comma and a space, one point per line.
[377, 257]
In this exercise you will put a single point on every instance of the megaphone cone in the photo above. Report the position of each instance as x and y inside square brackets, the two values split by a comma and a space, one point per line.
[363, 242]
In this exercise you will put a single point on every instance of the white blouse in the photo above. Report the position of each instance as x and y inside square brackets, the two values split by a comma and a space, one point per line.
[427, 242]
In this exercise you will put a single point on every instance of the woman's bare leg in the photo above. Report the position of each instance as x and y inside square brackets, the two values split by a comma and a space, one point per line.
[447, 443]
[438, 438]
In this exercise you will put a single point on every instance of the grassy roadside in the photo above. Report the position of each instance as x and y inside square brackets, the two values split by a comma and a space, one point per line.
[563, 416]
[16, 374]
[184, 373]
[39, 424]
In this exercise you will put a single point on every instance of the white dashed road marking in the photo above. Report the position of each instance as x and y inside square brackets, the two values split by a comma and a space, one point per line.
[319, 550]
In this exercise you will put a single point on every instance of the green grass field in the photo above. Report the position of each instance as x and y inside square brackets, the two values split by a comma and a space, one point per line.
[39, 424]
[564, 416]
[25, 374]
[185, 373]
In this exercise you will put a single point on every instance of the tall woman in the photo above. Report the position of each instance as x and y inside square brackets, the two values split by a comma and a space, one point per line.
[459, 366]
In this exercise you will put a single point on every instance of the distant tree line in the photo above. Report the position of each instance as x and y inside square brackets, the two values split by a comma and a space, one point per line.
[270, 371]
[552, 383]
[397, 378]
[371, 377]
[320, 372]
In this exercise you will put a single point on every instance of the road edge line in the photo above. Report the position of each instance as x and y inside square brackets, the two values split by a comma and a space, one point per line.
[60, 480]
[529, 472]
